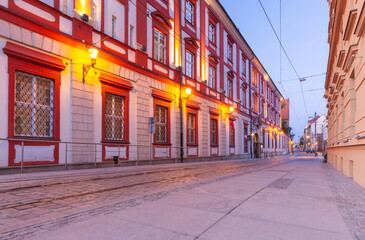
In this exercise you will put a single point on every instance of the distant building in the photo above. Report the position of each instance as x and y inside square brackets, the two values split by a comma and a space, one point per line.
[345, 89]
[285, 113]
[313, 134]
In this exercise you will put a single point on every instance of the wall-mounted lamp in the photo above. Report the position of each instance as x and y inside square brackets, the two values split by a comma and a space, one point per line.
[231, 109]
[85, 17]
[188, 94]
[85, 68]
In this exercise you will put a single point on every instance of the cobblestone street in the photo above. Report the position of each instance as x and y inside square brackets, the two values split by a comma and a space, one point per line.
[42, 203]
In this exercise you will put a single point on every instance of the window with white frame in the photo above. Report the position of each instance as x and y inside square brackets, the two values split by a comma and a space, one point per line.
[34, 105]
[189, 13]
[114, 26]
[159, 46]
[230, 88]
[211, 33]
[243, 66]
[213, 131]
[94, 15]
[212, 76]
[114, 117]
[231, 133]
[191, 128]
[243, 97]
[161, 124]
[229, 52]
[189, 64]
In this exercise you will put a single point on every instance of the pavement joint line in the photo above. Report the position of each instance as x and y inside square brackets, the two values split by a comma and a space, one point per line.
[60, 222]
[238, 205]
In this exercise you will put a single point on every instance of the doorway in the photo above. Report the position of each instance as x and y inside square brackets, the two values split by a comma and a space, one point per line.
[256, 146]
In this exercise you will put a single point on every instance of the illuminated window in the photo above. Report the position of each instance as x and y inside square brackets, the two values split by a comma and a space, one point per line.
[159, 46]
[255, 104]
[254, 77]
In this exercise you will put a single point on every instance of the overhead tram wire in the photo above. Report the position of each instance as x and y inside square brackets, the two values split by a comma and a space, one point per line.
[290, 106]
[171, 34]
[282, 47]
[220, 51]
[306, 77]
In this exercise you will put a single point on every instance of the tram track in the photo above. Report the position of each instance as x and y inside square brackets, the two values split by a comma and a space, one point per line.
[204, 173]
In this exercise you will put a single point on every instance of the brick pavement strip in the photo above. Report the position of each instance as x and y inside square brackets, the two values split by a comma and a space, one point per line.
[350, 200]
[83, 207]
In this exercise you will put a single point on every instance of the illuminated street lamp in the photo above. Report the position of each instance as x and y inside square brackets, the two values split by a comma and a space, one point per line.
[85, 68]
[188, 91]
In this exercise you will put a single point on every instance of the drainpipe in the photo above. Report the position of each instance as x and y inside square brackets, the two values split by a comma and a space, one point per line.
[180, 100]
[250, 87]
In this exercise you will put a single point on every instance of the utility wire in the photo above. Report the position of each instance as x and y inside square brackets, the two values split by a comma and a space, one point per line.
[287, 56]
[306, 77]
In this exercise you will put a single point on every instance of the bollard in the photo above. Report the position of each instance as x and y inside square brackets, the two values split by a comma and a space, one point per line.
[95, 155]
[22, 160]
[115, 159]
[66, 157]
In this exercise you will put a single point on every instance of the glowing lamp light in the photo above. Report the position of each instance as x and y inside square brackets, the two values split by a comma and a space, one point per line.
[85, 68]
[231, 108]
[188, 91]
[307, 136]
[93, 53]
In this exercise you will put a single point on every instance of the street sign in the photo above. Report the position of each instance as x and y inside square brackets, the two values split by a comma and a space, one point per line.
[151, 125]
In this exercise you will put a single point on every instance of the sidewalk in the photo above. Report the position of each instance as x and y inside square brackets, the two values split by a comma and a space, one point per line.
[291, 201]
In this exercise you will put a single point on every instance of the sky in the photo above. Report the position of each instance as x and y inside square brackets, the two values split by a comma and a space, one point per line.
[304, 33]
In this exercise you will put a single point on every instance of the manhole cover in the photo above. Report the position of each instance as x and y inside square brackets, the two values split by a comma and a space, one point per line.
[282, 183]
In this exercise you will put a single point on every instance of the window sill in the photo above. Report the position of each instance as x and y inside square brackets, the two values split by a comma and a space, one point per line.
[35, 139]
[192, 144]
[161, 144]
[214, 145]
[191, 24]
[115, 141]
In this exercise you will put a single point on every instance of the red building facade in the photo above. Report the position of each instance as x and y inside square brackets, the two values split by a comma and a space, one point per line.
[59, 106]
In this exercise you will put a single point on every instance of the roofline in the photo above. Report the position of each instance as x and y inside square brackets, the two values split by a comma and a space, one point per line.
[253, 53]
